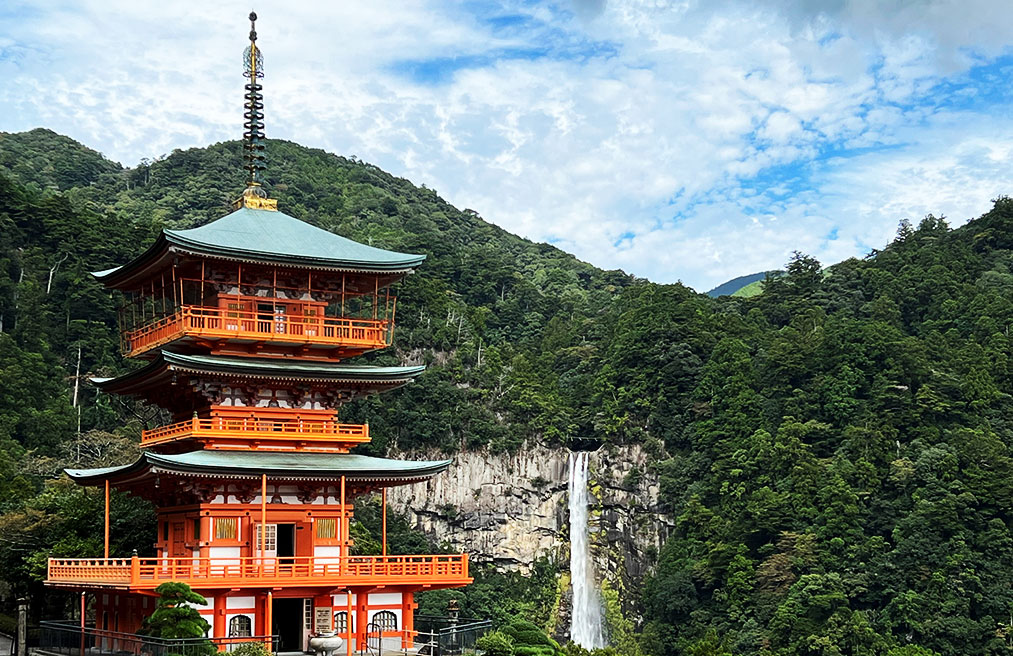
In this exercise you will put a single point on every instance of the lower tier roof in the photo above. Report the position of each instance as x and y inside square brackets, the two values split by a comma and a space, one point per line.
[278, 466]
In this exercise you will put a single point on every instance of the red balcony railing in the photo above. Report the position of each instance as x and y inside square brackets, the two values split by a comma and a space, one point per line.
[319, 434]
[328, 571]
[221, 323]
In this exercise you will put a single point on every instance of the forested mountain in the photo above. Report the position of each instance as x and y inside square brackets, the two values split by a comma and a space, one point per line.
[835, 450]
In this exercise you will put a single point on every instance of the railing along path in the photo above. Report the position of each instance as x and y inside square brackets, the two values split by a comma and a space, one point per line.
[72, 639]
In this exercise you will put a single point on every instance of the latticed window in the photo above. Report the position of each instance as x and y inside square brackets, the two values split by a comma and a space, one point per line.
[270, 538]
[327, 529]
[341, 622]
[240, 626]
[385, 621]
[226, 528]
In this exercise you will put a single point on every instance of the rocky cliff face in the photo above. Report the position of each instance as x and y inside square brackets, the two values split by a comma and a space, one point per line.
[511, 508]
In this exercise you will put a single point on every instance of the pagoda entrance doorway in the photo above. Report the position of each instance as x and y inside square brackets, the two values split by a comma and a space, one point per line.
[279, 544]
[289, 620]
[286, 543]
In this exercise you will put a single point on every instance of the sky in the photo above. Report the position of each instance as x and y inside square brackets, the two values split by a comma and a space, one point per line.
[681, 140]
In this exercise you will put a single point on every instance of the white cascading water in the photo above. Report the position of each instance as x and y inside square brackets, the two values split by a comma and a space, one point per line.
[586, 621]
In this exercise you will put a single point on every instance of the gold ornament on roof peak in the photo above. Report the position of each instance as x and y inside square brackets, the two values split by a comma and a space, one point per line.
[254, 196]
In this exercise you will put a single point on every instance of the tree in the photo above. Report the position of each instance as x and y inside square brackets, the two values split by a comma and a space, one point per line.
[175, 618]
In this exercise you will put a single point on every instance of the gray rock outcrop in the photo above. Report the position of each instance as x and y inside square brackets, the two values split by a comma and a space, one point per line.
[511, 508]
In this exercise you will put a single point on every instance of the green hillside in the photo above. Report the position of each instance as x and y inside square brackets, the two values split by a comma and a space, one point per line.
[748, 291]
[835, 450]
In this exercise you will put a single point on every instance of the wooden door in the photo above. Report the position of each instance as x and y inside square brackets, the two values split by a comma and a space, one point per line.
[179, 549]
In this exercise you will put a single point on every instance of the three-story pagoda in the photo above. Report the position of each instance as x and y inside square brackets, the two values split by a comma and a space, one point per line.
[247, 325]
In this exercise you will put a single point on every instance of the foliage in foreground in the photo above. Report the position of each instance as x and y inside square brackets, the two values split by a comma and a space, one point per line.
[175, 618]
[249, 649]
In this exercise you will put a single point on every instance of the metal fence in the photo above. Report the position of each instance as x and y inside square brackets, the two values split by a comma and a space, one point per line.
[444, 636]
[72, 639]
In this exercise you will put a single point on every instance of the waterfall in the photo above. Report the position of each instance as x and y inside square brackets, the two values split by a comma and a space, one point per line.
[586, 620]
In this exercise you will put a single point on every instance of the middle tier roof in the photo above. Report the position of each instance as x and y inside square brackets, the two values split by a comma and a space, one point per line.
[170, 374]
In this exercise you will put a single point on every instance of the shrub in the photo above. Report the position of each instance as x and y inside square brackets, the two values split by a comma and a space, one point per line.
[495, 644]
[249, 649]
[529, 640]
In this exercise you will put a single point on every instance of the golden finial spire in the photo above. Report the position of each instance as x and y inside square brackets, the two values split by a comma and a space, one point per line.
[254, 195]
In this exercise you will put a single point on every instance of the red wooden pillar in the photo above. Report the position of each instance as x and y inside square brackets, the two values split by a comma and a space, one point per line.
[84, 614]
[343, 548]
[268, 605]
[348, 610]
[218, 627]
[361, 618]
[407, 619]
[383, 521]
[106, 541]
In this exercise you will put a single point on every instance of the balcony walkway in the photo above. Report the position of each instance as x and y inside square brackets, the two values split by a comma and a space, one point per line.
[214, 323]
[251, 433]
[433, 571]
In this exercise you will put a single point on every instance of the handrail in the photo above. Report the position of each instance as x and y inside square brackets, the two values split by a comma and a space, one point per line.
[72, 639]
[217, 322]
[309, 430]
[74, 626]
[150, 572]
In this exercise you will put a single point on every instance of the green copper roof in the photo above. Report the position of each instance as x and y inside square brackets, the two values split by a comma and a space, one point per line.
[270, 235]
[251, 464]
[266, 236]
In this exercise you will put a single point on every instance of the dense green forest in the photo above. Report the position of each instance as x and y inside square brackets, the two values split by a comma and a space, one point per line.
[835, 450]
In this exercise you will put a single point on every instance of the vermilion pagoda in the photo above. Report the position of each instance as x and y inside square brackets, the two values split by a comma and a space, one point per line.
[247, 323]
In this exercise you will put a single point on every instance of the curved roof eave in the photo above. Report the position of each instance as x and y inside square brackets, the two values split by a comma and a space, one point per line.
[288, 465]
[121, 276]
[254, 367]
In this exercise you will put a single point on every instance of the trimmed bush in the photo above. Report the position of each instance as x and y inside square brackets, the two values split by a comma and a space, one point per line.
[495, 644]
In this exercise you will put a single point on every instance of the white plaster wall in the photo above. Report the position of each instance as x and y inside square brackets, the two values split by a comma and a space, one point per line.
[327, 551]
[240, 602]
[230, 553]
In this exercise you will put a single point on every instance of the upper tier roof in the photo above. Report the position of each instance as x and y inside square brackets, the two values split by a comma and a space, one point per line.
[266, 236]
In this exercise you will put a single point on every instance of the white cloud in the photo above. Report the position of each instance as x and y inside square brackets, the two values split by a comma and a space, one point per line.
[663, 120]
